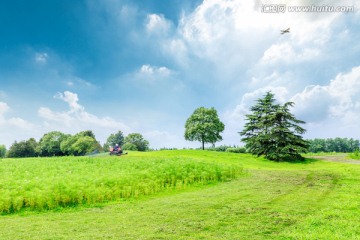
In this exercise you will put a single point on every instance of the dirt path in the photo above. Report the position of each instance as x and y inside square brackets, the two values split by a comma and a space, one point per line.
[337, 158]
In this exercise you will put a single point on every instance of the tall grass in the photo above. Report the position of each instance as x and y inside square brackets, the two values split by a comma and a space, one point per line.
[49, 183]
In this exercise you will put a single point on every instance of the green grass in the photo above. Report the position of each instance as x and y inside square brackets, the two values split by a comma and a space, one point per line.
[49, 183]
[311, 200]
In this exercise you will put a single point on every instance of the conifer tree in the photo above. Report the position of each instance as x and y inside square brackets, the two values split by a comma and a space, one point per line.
[273, 131]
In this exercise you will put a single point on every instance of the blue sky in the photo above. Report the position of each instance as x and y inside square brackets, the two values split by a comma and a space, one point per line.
[145, 66]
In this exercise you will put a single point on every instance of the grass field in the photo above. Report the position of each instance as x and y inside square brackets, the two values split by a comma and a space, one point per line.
[311, 200]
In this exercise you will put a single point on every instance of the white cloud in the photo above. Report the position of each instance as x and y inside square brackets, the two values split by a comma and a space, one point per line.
[20, 123]
[60, 117]
[77, 115]
[41, 58]
[285, 52]
[249, 99]
[3, 108]
[340, 99]
[14, 128]
[152, 74]
[14, 121]
[72, 99]
[152, 70]
[157, 24]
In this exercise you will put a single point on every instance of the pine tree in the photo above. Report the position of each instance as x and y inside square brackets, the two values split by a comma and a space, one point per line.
[271, 130]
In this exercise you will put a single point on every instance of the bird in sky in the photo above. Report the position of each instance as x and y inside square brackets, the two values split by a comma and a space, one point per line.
[285, 31]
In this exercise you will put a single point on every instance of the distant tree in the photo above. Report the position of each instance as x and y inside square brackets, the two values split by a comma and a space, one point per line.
[271, 130]
[138, 140]
[129, 146]
[204, 125]
[50, 143]
[84, 145]
[117, 138]
[66, 145]
[80, 144]
[333, 145]
[2, 151]
[85, 133]
[26, 148]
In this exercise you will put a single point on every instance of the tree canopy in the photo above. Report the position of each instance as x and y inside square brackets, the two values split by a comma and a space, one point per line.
[273, 131]
[114, 138]
[204, 125]
[137, 140]
[50, 144]
[28, 148]
[80, 144]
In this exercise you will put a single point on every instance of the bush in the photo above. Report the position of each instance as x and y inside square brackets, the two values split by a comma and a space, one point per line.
[355, 155]
[221, 148]
[236, 150]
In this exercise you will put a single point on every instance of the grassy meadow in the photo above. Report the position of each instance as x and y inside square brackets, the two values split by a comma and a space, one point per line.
[179, 194]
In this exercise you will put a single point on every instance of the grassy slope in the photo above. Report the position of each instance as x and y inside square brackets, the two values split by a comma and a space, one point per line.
[316, 200]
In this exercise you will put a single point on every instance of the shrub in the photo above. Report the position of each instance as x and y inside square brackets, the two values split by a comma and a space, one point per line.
[236, 150]
[355, 154]
[221, 148]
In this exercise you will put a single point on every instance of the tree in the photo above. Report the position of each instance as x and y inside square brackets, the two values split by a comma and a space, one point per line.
[80, 144]
[138, 140]
[117, 138]
[84, 145]
[26, 148]
[2, 151]
[271, 130]
[204, 125]
[129, 146]
[50, 143]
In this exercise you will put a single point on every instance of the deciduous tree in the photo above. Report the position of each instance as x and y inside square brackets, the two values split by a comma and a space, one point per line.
[138, 140]
[204, 125]
[115, 138]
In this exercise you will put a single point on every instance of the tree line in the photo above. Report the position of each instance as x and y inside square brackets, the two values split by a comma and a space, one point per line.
[333, 145]
[56, 143]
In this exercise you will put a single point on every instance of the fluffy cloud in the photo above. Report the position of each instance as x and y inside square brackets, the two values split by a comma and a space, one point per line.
[78, 119]
[157, 24]
[151, 70]
[249, 99]
[72, 99]
[14, 121]
[77, 116]
[339, 99]
[14, 128]
[335, 106]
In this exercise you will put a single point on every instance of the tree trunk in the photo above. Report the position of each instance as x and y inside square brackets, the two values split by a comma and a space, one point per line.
[203, 147]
